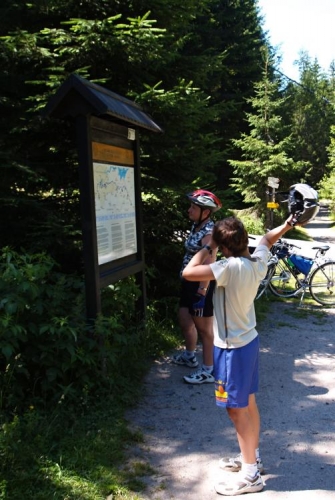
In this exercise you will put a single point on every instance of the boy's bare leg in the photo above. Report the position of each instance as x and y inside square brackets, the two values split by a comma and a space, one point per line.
[247, 425]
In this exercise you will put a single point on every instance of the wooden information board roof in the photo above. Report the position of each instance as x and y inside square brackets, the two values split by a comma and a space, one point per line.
[78, 96]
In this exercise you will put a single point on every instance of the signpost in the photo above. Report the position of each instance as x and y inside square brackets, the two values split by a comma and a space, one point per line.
[273, 183]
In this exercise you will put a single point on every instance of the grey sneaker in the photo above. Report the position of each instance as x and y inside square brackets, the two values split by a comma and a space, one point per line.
[199, 377]
[243, 484]
[235, 464]
[181, 359]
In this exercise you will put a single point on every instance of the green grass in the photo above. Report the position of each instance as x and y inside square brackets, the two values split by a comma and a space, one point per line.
[69, 456]
[262, 306]
[308, 307]
[79, 452]
[298, 233]
[311, 310]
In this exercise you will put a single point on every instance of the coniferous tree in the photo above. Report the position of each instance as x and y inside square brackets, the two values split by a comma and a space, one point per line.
[39, 161]
[311, 116]
[233, 31]
[189, 64]
[327, 183]
[264, 148]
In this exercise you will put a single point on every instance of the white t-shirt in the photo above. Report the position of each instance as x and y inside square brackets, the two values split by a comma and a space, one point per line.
[237, 278]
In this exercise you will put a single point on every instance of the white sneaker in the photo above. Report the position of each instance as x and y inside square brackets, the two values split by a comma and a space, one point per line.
[199, 377]
[181, 359]
[234, 464]
[243, 484]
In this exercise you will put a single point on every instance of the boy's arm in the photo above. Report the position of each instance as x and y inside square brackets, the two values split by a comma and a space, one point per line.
[274, 234]
[211, 257]
[196, 270]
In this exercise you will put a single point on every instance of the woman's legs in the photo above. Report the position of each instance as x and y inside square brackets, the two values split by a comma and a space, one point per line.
[188, 328]
[192, 326]
[204, 327]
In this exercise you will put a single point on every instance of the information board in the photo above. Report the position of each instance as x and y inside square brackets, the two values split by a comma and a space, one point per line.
[114, 189]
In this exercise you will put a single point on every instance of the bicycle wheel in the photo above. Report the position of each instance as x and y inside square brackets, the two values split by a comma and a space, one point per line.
[321, 284]
[265, 282]
[283, 282]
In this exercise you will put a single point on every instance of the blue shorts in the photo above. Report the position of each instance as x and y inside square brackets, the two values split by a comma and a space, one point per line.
[236, 374]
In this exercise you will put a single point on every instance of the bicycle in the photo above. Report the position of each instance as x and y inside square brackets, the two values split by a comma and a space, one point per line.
[290, 274]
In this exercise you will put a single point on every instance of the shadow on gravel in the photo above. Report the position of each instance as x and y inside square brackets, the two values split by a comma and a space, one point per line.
[297, 398]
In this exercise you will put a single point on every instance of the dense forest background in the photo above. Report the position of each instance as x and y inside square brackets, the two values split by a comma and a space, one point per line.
[206, 73]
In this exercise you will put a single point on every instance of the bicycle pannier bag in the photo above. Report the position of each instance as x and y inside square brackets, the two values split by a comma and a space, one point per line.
[304, 264]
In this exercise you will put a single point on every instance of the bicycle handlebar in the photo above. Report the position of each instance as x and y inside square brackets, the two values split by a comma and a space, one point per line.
[285, 246]
[286, 243]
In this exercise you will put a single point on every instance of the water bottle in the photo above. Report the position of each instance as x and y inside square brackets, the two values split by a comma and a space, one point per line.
[292, 267]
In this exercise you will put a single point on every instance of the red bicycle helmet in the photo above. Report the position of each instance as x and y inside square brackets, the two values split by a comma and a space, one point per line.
[205, 199]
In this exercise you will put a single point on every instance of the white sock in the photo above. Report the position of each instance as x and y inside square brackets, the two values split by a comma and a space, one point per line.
[189, 354]
[208, 368]
[249, 470]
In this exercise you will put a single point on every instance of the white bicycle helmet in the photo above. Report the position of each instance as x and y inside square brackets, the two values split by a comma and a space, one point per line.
[303, 203]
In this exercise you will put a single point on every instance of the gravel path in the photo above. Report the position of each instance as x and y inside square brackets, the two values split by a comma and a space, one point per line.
[185, 433]
[321, 228]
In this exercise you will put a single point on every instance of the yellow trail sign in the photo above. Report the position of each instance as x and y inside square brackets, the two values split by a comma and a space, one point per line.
[272, 204]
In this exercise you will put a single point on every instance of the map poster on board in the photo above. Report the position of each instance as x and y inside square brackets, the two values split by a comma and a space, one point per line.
[114, 190]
